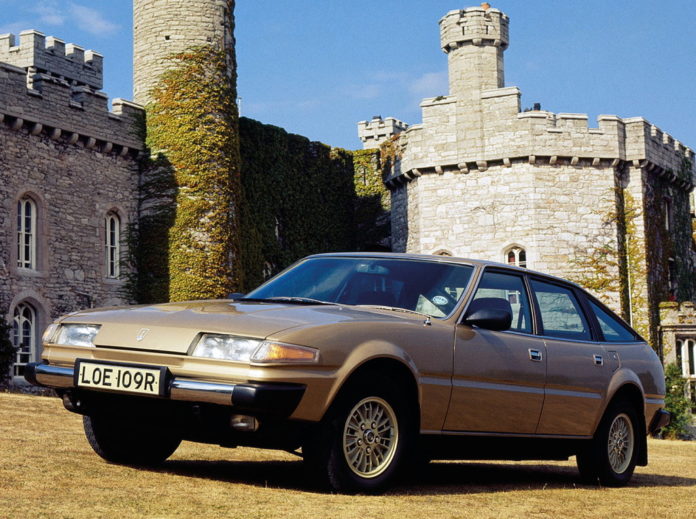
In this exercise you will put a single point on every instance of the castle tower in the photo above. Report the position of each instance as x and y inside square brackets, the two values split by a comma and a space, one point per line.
[165, 27]
[474, 40]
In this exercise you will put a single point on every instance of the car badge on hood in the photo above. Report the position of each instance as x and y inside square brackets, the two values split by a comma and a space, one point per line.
[141, 334]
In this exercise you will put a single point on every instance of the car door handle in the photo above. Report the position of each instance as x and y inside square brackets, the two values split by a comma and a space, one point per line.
[598, 360]
[535, 355]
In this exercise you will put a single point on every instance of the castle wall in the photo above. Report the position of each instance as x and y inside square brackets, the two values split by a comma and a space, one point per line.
[555, 212]
[77, 162]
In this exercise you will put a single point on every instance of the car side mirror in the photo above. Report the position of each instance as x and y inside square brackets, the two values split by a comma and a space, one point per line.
[489, 313]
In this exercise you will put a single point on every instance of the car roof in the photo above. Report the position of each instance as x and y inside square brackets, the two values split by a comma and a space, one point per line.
[444, 259]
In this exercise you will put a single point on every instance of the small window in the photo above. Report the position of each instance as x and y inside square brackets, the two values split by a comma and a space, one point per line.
[612, 329]
[113, 246]
[517, 257]
[24, 337]
[672, 279]
[688, 357]
[667, 213]
[26, 233]
[512, 289]
[561, 315]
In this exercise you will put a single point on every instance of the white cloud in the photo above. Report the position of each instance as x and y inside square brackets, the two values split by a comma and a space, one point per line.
[430, 84]
[49, 13]
[91, 20]
[15, 28]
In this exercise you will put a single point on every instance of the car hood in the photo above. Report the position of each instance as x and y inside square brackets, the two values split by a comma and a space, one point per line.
[174, 327]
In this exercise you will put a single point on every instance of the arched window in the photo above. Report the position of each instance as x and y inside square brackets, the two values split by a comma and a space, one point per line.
[112, 249]
[688, 357]
[516, 256]
[26, 233]
[24, 336]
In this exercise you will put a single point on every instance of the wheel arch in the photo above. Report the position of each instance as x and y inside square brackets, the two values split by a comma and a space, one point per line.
[631, 391]
[382, 367]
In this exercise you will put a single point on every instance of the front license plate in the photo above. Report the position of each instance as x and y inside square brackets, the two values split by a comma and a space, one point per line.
[142, 380]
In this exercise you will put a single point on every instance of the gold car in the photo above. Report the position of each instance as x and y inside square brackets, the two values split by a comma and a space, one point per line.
[367, 363]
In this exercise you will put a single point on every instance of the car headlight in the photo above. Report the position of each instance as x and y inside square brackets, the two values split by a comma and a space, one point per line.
[49, 333]
[225, 347]
[270, 352]
[244, 349]
[75, 334]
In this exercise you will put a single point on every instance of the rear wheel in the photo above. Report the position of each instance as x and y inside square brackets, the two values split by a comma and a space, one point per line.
[611, 456]
[362, 443]
[128, 441]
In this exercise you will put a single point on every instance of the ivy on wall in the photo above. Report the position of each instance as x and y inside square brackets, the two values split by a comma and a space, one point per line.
[642, 259]
[192, 132]
[372, 202]
[297, 199]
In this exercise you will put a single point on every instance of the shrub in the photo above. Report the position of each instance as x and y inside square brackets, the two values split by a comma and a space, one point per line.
[7, 351]
[676, 402]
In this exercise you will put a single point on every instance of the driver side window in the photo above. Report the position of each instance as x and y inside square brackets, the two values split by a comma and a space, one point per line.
[511, 288]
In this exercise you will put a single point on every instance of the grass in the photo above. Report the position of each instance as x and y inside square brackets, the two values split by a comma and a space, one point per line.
[47, 469]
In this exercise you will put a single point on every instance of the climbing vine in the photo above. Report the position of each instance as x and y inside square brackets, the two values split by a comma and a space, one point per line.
[372, 202]
[297, 199]
[192, 132]
[616, 265]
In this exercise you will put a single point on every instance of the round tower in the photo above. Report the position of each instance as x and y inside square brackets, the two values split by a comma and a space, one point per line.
[474, 40]
[165, 27]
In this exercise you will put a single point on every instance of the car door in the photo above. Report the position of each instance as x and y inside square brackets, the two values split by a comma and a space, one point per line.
[578, 368]
[498, 377]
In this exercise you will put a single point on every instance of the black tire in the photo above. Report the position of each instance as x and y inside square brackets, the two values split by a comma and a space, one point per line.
[129, 441]
[344, 456]
[610, 457]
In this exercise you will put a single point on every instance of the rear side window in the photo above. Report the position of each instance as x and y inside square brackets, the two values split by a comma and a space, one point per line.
[512, 289]
[561, 315]
[613, 329]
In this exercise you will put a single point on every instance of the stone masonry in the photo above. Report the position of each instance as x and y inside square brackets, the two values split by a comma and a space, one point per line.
[479, 177]
[373, 133]
[162, 28]
[76, 161]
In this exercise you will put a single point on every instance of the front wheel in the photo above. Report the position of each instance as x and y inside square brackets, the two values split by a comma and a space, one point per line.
[127, 441]
[611, 456]
[361, 445]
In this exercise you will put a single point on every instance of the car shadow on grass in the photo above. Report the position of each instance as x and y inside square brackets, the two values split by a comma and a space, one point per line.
[433, 479]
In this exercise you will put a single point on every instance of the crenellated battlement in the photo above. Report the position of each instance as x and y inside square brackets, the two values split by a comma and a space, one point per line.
[43, 104]
[476, 26]
[48, 55]
[375, 132]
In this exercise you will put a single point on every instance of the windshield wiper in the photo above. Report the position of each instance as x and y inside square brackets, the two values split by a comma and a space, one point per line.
[397, 309]
[286, 299]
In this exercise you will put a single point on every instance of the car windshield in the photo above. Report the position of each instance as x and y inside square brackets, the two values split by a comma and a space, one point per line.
[427, 287]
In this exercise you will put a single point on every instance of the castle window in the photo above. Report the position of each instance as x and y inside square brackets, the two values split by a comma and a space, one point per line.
[113, 245]
[687, 348]
[667, 213]
[516, 256]
[672, 279]
[26, 233]
[24, 337]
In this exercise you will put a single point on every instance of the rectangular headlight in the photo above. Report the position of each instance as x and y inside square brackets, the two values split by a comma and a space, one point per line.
[225, 347]
[76, 334]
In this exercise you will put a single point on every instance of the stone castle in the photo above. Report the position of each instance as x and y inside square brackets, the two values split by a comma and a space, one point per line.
[481, 178]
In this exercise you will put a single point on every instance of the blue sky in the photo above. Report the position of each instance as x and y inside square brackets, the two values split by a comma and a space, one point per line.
[316, 67]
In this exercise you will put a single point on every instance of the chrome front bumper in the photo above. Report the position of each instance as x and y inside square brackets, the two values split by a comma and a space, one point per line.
[260, 398]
